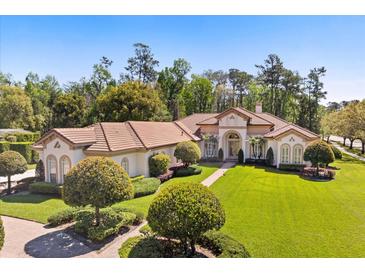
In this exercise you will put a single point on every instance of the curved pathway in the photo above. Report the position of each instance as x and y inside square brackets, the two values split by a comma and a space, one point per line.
[24, 239]
[349, 153]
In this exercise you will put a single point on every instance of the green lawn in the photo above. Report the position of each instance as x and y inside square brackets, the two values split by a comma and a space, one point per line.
[275, 214]
[39, 207]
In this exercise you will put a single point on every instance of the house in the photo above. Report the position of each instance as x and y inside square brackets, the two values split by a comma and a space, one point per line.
[131, 143]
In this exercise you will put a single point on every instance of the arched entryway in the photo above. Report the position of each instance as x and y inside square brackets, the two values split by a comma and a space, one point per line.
[233, 145]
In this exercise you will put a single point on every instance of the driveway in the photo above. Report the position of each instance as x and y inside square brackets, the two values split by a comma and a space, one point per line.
[18, 177]
[24, 239]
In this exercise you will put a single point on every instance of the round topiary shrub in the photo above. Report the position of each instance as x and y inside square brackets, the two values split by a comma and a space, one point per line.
[2, 234]
[270, 157]
[336, 152]
[11, 163]
[185, 211]
[159, 164]
[240, 156]
[188, 152]
[97, 181]
[317, 153]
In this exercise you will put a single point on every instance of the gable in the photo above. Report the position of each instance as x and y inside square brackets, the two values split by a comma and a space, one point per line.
[233, 119]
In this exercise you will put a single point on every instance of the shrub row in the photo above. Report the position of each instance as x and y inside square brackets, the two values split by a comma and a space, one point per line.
[141, 247]
[21, 137]
[2, 234]
[188, 171]
[110, 223]
[24, 148]
[45, 188]
[292, 167]
[145, 186]
[222, 245]
[62, 217]
[137, 178]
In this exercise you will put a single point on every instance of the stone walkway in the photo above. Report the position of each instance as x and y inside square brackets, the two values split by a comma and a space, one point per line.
[349, 153]
[217, 174]
[24, 239]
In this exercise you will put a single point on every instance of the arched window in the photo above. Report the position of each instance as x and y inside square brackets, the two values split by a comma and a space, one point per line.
[125, 164]
[285, 154]
[65, 166]
[211, 147]
[52, 168]
[298, 154]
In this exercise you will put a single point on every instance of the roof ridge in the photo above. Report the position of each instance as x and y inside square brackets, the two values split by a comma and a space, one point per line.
[253, 113]
[182, 128]
[303, 128]
[135, 132]
[106, 139]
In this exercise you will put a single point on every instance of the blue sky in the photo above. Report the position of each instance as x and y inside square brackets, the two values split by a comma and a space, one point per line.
[68, 46]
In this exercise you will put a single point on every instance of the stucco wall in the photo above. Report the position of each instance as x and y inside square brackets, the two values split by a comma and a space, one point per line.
[258, 130]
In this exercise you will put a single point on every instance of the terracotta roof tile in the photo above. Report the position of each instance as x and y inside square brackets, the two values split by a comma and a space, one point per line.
[191, 121]
[289, 127]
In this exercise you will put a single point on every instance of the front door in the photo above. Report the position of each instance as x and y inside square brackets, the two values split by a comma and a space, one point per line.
[233, 148]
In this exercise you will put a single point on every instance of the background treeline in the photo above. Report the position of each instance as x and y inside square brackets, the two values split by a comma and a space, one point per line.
[347, 120]
[145, 92]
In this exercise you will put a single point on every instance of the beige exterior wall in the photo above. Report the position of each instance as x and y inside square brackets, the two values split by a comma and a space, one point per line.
[258, 130]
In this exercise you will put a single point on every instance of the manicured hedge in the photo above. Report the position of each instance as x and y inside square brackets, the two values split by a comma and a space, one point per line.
[141, 247]
[145, 186]
[159, 164]
[110, 224]
[62, 217]
[137, 178]
[292, 167]
[45, 188]
[222, 245]
[2, 234]
[336, 152]
[4, 146]
[24, 148]
[188, 171]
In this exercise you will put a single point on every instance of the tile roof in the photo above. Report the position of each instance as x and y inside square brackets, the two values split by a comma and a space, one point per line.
[289, 127]
[254, 119]
[278, 122]
[191, 121]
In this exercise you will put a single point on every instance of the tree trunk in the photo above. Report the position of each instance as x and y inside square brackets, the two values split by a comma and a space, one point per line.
[362, 146]
[317, 170]
[344, 141]
[193, 250]
[97, 216]
[9, 185]
[185, 245]
[351, 143]
[328, 139]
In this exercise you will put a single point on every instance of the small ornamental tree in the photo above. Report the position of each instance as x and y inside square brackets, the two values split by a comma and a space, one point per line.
[159, 164]
[97, 181]
[185, 211]
[270, 157]
[240, 156]
[188, 152]
[317, 153]
[39, 171]
[11, 163]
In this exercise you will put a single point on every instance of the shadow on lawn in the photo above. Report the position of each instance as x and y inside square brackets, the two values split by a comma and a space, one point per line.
[26, 197]
[65, 243]
[293, 173]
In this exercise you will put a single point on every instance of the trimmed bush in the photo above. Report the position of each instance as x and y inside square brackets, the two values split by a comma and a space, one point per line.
[4, 146]
[39, 171]
[220, 154]
[27, 136]
[222, 245]
[188, 171]
[11, 163]
[2, 234]
[145, 186]
[11, 138]
[139, 216]
[62, 217]
[159, 164]
[185, 211]
[240, 156]
[336, 152]
[270, 157]
[110, 223]
[96, 181]
[188, 152]
[45, 188]
[318, 153]
[137, 178]
[24, 148]
[140, 247]
[292, 167]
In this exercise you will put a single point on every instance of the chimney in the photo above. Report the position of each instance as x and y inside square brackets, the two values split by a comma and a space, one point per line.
[258, 107]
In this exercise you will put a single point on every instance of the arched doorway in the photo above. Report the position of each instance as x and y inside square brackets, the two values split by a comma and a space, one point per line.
[233, 145]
